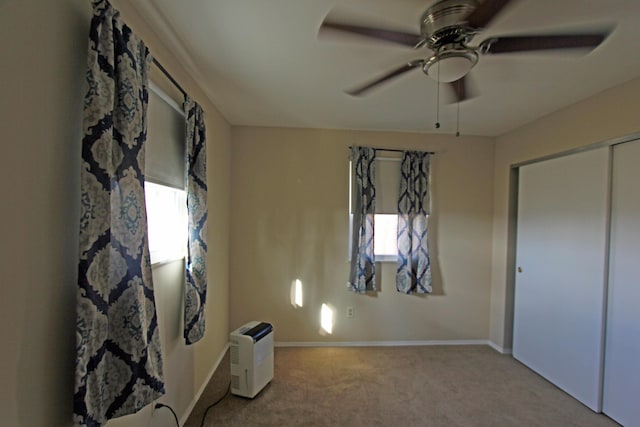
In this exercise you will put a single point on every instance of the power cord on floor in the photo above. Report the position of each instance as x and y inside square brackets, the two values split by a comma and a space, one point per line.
[214, 404]
[162, 405]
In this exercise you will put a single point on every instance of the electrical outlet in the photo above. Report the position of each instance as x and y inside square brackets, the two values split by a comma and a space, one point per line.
[350, 312]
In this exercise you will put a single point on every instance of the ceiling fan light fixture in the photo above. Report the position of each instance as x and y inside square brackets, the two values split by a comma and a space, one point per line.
[450, 64]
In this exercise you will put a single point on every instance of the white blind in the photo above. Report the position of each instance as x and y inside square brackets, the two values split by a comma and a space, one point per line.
[387, 184]
[165, 152]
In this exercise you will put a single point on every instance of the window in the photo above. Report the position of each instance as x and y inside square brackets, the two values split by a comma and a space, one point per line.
[385, 245]
[166, 199]
[386, 217]
[167, 222]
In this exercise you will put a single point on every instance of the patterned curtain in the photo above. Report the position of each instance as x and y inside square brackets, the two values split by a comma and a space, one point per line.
[196, 266]
[118, 355]
[414, 267]
[362, 276]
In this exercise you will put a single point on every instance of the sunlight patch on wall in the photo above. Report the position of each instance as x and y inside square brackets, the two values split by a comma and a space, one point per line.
[326, 319]
[296, 293]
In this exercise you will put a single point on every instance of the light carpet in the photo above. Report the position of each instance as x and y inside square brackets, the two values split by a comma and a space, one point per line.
[395, 386]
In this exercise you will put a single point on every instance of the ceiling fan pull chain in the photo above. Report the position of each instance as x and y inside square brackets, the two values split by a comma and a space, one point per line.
[438, 99]
[458, 112]
[458, 122]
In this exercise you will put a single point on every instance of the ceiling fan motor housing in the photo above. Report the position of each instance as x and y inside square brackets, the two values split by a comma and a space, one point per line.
[444, 23]
[444, 29]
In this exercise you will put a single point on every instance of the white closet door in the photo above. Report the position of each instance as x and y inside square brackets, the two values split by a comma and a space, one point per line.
[621, 398]
[560, 283]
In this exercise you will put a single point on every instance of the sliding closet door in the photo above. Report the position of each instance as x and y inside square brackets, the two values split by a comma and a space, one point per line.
[621, 398]
[560, 283]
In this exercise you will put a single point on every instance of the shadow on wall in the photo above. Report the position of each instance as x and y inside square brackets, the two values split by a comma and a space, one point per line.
[48, 228]
[437, 284]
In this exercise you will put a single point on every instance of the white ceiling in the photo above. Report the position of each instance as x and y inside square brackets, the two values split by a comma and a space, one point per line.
[262, 64]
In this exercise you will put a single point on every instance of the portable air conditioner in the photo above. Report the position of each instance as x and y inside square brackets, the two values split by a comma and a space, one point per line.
[251, 358]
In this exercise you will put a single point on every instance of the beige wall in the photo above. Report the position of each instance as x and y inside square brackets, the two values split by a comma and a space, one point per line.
[290, 220]
[611, 114]
[42, 58]
[42, 54]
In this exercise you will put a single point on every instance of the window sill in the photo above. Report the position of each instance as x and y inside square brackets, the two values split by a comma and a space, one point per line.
[161, 262]
[387, 258]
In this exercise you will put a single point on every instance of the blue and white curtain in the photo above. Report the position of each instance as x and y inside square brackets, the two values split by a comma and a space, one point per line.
[414, 267]
[196, 265]
[118, 355]
[362, 275]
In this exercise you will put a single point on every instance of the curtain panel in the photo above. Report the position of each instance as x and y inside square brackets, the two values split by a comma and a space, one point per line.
[414, 266]
[362, 275]
[118, 354]
[196, 265]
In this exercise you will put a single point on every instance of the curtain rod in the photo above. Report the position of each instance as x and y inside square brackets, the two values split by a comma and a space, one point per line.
[392, 150]
[169, 76]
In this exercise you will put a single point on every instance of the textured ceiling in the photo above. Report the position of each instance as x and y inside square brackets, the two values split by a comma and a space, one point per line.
[263, 64]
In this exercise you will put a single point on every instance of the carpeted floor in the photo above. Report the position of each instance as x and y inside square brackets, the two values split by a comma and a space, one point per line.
[395, 386]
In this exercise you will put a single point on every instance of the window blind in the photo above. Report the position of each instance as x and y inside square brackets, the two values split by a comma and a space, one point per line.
[165, 154]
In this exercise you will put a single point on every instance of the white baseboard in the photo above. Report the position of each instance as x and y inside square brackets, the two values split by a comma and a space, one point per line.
[379, 343]
[195, 399]
[499, 349]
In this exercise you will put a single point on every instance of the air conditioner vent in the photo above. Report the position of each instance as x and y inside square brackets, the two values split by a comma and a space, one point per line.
[235, 354]
[235, 381]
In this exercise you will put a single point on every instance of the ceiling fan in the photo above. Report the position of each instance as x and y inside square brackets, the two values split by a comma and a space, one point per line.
[447, 29]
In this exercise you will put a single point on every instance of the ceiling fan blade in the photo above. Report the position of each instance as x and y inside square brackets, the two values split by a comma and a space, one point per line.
[510, 44]
[486, 12]
[390, 75]
[461, 89]
[399, 37]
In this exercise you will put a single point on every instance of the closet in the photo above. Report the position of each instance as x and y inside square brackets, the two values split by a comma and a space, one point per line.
[576, 299]
[621, 392]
